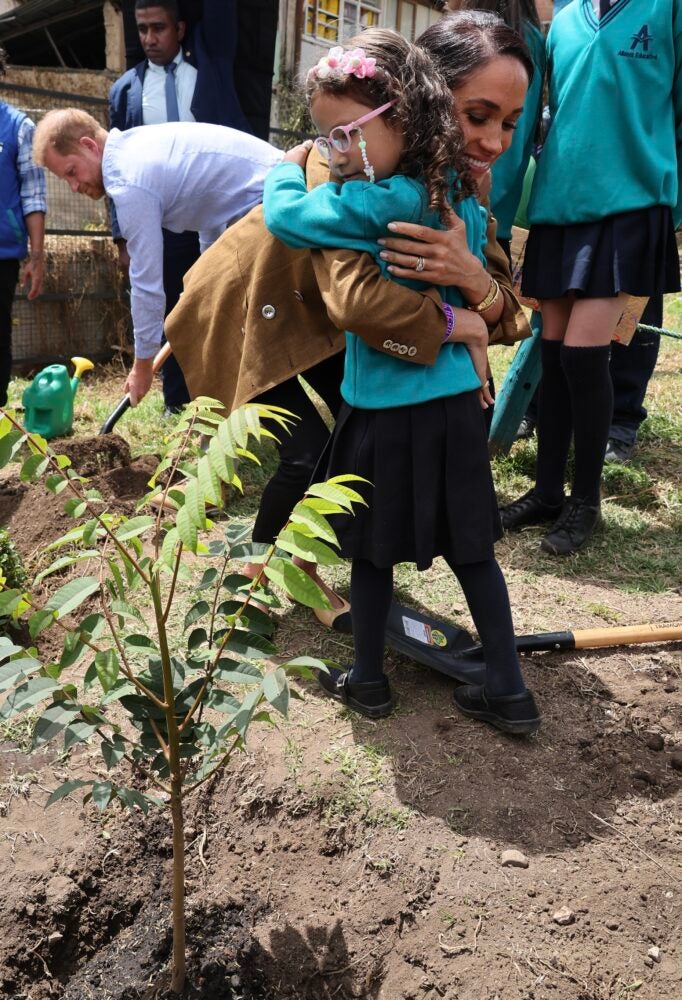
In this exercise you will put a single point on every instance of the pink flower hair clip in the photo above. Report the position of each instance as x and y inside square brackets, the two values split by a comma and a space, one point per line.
[338, 63]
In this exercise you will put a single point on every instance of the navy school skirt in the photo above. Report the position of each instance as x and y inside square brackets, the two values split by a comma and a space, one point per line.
[432, 491]
[633, 252]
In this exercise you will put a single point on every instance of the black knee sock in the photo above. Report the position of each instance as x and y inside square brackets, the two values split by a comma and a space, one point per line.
[371, 593]
[554, 424]
[486, 594]
[591, 390]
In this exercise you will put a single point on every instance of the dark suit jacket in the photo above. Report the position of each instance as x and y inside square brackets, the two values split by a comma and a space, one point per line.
[211, 48]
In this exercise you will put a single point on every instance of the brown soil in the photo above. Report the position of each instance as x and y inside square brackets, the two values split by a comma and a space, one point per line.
[342, 858]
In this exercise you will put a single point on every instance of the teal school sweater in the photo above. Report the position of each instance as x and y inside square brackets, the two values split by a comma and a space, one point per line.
[508, 172]
[354, 216]
[616, 103]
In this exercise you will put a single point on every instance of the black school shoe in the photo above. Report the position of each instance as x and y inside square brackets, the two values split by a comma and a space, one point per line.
[528, 509]
[512, 713]
[370, 698]
[573, 529]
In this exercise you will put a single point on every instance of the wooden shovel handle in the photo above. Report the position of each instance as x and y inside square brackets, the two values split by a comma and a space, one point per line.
[625, 635]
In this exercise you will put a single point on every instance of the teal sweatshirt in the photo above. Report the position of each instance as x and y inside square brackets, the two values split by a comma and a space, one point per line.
[508, 172]
[616, 103]
[354, 216]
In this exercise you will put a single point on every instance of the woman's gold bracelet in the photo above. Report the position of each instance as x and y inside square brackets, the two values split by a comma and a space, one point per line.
[491, 295]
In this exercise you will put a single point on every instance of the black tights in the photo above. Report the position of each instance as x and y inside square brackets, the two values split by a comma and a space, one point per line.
[485, 590]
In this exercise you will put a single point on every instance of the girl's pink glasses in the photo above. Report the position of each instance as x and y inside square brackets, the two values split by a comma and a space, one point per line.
[341, 137]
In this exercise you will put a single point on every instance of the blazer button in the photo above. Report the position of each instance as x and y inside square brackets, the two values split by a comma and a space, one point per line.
[387, 345]
[403, 349]
[268, 312]
[412, 351]
[395, 348]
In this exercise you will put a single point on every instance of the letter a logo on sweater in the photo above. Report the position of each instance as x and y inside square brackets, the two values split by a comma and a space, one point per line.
[642, 38]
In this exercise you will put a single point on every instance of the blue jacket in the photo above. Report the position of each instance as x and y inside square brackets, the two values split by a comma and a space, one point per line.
[13, 235]
[353, 216]
[210, 47]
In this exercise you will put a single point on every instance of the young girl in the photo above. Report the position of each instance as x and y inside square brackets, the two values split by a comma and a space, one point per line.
[416, 432]
[603, 211]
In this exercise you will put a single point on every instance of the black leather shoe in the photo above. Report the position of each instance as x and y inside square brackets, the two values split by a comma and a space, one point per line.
[512, 713]
[172, 411]
[618, 451]
[573, 528]
[528, 509]
[370, 698]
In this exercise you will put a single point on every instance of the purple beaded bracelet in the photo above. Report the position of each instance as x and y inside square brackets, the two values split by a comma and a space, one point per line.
[450, 320]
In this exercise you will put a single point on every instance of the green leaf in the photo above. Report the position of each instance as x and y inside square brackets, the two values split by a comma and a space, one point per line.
[197, 637]
[78, 732]
[248, 644]
[241, 721]
[140, 641]
[56, 718]
[209, 578]
[304, 513]
[126, 610]
[296, 583]
[63, 790]
[8, 648]
[72, 652]
[9, 445]
[16, 670]
[257, 620]
[209, 482]
[336, 493]
[33, 467]
[107, 667]
[39, 621]
[72, 595]
[134, 527]
[276, 690]
[304, 666]
[26, 695]
[187, 529]
[113, 751]
[102, 793]
[65, 561]
[9, 601]
[131, 798]
[221, 701]
[196, 612]
[311, 549]
[237, 673]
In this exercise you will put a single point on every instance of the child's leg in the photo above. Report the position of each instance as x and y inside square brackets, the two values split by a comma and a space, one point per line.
[486, 594]
[554, 404]
[585, 360]
[371, 593]
[364, 686]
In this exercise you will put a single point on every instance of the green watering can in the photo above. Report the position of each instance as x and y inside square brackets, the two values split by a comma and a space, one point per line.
[48, 400]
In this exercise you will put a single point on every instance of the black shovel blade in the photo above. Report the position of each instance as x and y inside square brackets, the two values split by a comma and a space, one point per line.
[436, 644]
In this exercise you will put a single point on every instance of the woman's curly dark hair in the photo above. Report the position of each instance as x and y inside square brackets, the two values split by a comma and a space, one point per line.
[422, 111]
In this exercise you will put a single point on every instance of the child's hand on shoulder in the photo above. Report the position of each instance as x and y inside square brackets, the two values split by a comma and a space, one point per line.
[299, 154]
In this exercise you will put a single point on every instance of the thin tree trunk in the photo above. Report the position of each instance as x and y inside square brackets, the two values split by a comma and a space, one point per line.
[179, 967]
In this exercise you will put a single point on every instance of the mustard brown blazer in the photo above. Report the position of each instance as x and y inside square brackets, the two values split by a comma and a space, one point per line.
[254, 312]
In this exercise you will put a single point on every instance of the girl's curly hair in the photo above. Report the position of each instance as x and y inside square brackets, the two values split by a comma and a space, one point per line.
[422, 111]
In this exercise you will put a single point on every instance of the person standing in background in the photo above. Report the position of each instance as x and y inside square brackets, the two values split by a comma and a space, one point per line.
[22, 222]
[184, 77]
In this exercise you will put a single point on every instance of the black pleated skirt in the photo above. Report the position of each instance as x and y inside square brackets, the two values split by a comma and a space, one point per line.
[633, 252]
[432, 491]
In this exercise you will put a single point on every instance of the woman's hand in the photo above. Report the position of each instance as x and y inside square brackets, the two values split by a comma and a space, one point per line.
[447, 258]
[299, 154]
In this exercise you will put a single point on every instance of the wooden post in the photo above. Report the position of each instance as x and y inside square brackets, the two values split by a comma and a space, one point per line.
[114, 40]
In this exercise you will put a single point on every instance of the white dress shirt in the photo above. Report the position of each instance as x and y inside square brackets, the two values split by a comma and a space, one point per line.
[179, 176]
[154, 91]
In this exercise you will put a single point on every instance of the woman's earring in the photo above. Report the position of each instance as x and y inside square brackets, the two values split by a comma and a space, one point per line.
[362, 146]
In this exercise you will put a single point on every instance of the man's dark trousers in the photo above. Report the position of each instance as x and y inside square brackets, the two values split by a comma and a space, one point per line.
[180, 251]
[631, 368]
[9, 273]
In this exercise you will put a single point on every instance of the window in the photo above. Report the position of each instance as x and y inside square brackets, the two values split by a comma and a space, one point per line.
[414, 16]
[336, 20]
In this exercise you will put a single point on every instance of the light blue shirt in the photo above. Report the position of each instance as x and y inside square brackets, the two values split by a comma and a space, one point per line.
[154, 91]
[178, 176]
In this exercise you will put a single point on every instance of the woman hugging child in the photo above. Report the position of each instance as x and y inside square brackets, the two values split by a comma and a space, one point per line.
[415, 432]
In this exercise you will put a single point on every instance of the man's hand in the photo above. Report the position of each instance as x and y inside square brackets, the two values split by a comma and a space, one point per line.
[299, 154]
[32, 274]
[140, 379]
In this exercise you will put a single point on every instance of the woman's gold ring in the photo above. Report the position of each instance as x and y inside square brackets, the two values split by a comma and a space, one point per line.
[420, 265]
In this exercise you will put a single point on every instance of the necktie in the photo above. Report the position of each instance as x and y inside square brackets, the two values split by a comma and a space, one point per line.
[172, 110]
